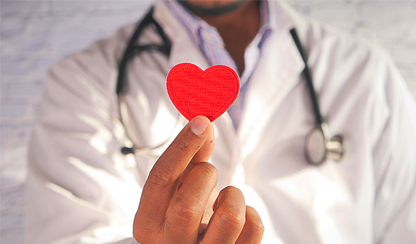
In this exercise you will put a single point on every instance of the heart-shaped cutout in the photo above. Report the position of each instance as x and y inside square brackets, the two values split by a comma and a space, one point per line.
[195, 92]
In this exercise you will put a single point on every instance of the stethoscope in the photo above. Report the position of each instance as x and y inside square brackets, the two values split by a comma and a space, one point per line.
[319, 145]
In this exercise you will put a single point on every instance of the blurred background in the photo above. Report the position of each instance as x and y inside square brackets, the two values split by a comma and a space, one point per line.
[37, 33]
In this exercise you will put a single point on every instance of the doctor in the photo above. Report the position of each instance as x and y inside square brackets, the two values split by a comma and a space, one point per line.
[82, 189]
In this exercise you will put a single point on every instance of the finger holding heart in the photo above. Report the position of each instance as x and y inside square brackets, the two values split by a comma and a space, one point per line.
[179, 202]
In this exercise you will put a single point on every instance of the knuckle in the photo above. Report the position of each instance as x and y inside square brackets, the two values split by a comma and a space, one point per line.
[161, 178]
[256, 225]
[184, 211]
[182, 146]
[142, 232]
[140, 236]
[208, 170]
[231, 219]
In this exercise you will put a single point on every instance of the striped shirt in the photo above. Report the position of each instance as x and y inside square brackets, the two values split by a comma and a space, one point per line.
[209, 41]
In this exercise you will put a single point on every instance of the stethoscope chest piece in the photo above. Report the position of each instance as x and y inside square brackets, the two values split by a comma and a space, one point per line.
[319, 145]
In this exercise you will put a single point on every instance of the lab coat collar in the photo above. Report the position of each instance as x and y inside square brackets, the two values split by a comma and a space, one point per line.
[183, 48]
[270, 85]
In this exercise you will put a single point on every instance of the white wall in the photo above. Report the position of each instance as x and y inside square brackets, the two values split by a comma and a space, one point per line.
[37, 33]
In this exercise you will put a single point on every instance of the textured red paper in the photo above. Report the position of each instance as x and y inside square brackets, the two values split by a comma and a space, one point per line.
[197, 92]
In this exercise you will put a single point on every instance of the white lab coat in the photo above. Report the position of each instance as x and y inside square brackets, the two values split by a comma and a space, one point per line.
[81, 189]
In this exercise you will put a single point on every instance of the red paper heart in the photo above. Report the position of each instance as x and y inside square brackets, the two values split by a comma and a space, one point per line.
[197, 92]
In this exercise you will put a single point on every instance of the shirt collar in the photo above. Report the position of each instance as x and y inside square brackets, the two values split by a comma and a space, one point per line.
[201, 32]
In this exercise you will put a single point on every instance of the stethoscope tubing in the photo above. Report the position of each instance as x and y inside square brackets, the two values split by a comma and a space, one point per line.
[133, 49]
[312, 93]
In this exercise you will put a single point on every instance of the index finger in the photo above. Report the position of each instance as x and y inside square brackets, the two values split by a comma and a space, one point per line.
[163, 178]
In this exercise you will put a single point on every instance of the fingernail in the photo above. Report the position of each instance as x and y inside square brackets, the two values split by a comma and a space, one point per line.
[199, 125]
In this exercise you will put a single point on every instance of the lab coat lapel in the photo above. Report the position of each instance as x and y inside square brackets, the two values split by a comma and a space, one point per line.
[276, 74]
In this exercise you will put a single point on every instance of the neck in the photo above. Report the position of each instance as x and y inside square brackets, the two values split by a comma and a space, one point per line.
[237, 28]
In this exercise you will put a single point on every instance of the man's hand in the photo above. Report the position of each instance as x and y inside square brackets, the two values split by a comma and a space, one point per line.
[177, 193]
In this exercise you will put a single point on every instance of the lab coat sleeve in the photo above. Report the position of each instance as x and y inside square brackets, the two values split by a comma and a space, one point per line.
[80, 188]
[395, 162]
